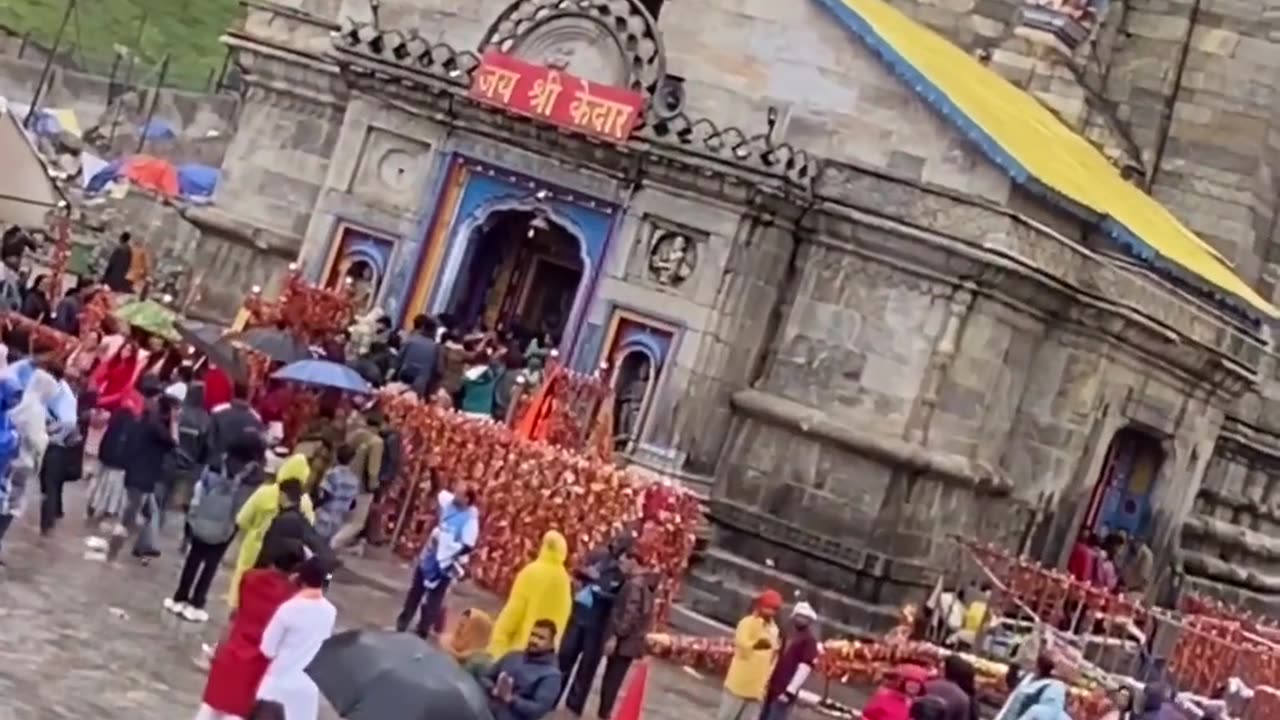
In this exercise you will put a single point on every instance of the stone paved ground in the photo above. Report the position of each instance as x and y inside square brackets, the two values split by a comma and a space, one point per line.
[81, 639]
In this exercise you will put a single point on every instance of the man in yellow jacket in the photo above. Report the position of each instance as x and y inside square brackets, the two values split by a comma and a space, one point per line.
[755, 649]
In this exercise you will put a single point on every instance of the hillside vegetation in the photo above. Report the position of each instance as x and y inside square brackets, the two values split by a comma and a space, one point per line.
[186, 30]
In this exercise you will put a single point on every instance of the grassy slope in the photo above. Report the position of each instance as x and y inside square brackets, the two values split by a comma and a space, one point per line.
[187, 30]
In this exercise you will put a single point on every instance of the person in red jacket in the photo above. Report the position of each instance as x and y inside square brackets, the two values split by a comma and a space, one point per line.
[238, 664]
[1083, 557]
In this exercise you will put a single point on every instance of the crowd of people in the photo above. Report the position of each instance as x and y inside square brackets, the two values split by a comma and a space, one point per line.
[475, 370]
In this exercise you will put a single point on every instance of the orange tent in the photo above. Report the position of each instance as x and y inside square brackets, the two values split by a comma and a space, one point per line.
[151, 173]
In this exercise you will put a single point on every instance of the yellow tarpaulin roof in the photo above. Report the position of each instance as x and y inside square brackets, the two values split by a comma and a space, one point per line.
[1030, 143]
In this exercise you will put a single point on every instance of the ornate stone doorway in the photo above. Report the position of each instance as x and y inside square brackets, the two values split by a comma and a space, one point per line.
[1121, 500]
[521, 270]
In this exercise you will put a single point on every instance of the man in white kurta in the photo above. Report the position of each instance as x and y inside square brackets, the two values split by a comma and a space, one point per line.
[291, 641]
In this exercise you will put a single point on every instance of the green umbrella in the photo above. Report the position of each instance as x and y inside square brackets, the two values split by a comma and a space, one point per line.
[150, 316]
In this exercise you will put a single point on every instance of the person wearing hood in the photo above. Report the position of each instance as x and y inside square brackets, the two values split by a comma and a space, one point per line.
[524, 684]
[194, 425]
[597, 579]
[956, 689]
[902, 688]
[30, 418]
[542, 591]
[148, 444]
[755, 644]
[10, 397]
[259, 511]
[64, 458]
[795, 663]
[467, 643]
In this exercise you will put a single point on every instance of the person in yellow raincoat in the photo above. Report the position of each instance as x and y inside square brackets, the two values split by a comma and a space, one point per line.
[257, 513]
[542, 591]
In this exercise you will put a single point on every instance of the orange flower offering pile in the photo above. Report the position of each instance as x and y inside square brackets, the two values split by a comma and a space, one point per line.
[526, 488]
[309, 312]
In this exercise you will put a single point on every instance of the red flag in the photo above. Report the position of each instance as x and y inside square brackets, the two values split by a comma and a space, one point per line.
[633, 697]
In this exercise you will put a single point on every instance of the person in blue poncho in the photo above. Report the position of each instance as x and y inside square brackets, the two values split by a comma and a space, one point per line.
[10, 395]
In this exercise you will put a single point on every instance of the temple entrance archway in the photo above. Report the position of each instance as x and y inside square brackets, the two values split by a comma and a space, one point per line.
[1121, 499]
[522, 270]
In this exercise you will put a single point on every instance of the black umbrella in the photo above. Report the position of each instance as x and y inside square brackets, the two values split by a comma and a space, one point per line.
[276, 344]
[377, 675]
[208, 340]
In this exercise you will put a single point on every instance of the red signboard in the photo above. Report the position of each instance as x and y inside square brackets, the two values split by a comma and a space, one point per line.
[556, 97]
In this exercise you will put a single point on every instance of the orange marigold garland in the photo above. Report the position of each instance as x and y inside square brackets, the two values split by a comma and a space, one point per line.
[526, 488]
[309, 312]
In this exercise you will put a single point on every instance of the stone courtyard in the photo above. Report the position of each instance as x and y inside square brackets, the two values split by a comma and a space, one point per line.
[84, 639]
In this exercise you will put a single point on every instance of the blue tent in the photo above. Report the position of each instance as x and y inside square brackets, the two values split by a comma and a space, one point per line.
[103, 177]
[158, 129]
[197, 181]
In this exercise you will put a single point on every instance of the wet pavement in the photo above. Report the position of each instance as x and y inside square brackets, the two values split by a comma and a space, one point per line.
[81, 638]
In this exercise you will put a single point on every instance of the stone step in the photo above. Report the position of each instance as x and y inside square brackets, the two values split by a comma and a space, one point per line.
[726, 585]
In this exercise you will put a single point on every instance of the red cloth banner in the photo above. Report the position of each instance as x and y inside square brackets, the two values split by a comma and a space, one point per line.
[567, 101]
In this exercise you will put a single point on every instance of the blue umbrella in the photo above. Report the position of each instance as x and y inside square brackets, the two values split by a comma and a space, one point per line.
[324, 373]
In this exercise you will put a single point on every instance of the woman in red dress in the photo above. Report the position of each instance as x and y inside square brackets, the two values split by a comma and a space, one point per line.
[238, 664]
[115, 378]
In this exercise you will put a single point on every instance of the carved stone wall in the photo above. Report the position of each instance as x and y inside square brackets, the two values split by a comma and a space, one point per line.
[867, 364]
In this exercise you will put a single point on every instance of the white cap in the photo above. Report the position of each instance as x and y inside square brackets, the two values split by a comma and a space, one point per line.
[805, 610]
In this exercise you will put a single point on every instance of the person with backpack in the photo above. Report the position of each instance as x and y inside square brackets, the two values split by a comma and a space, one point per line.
[211, 526]
[336, 496]
[1038, 697]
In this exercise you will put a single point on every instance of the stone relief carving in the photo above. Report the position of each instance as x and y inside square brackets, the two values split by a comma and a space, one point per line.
[609, 41]
[391, 167]
[578, 46]
[672, 257]
[395, 170]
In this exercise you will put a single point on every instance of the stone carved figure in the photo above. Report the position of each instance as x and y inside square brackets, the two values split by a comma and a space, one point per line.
[632, 391]
[363, 285]
[673, 258]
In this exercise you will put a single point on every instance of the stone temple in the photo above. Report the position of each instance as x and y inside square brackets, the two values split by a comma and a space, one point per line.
[882, 273]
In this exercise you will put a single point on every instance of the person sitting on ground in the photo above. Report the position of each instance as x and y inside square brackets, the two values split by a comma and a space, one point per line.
[524, 684]
[467, 642]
